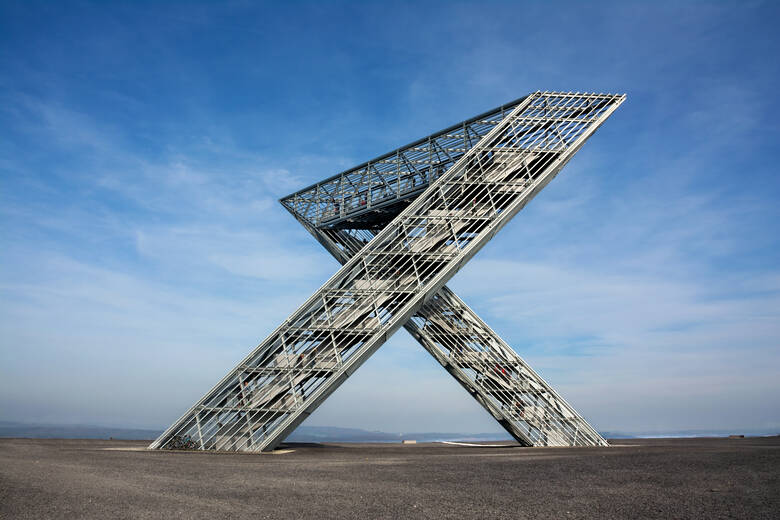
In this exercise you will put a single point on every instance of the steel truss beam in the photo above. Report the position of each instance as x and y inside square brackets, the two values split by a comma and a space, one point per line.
[489, 369]
[397, 278]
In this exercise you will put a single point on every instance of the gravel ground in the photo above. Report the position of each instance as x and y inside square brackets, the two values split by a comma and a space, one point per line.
[670, 478]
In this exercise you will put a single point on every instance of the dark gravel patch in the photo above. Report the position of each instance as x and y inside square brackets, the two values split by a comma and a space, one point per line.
[670, 478]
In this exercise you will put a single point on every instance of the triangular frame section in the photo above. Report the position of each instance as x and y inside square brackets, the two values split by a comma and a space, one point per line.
[402, 225]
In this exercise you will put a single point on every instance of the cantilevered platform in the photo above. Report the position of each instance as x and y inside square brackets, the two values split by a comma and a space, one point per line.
[371, 194]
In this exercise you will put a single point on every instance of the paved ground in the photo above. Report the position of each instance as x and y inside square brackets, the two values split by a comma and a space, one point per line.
[698, 478]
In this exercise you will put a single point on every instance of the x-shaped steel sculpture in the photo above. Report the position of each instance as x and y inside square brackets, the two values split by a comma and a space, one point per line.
[402, 225]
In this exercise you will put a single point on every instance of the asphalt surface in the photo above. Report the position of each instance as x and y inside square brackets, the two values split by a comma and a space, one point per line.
[675, 478]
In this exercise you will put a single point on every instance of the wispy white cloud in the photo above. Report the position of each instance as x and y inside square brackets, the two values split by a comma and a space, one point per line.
[120, 344]
[254, 254]
[144, 249]
[620, 337]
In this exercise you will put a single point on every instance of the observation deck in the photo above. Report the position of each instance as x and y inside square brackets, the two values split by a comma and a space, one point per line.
[371, 194]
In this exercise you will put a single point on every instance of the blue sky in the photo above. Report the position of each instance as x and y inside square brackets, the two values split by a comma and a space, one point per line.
[143, 148]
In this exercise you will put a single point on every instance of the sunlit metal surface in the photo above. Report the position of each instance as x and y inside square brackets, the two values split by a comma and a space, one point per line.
[402, 225]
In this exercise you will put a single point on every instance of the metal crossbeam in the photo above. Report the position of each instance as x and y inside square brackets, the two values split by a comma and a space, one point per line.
[488, 368]
[392, 177]
[394, 276]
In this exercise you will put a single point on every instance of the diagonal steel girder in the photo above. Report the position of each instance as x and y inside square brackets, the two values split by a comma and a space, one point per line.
[489, 369]
[523, 403]
[397, 273]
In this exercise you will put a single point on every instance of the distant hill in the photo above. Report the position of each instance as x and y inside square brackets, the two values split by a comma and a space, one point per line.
[335, 434]
[324, 433]
[73, 431]
[679, 434]
[302, 434]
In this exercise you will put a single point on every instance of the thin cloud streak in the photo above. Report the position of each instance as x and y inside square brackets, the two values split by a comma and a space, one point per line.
[144, 251]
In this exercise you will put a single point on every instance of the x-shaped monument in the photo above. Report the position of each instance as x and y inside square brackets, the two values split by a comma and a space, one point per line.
[402, 225]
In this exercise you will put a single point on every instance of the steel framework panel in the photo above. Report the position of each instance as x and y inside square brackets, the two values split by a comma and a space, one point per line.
[397, 273]
[521, 401]
[379, 185]
[499, 379]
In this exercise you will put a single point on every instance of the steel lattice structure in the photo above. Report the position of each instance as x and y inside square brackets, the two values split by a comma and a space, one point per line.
[402, 225]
